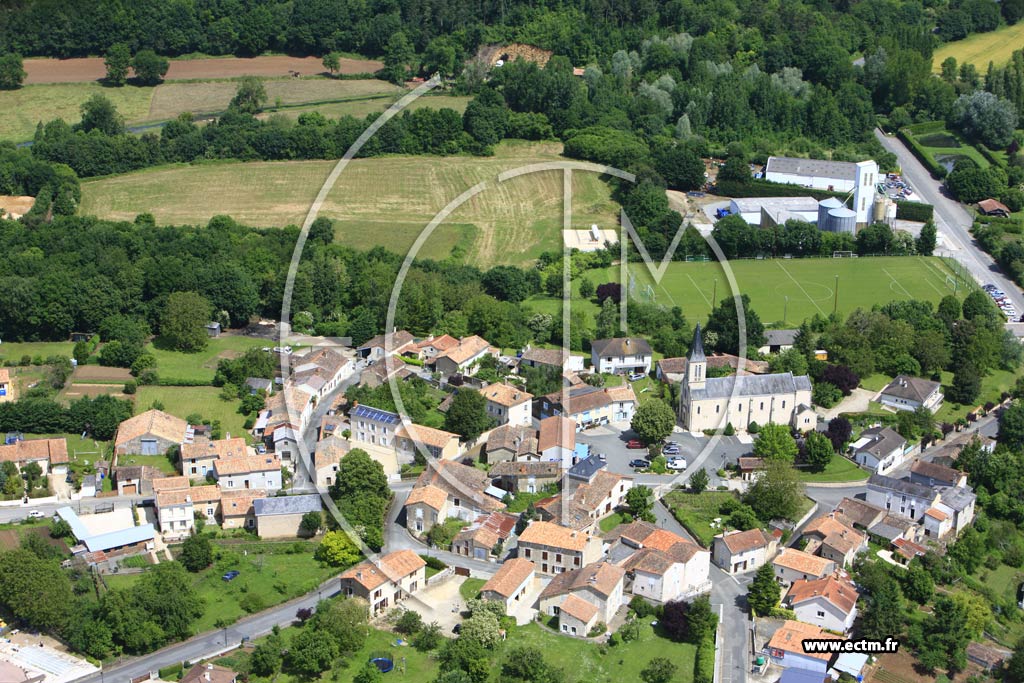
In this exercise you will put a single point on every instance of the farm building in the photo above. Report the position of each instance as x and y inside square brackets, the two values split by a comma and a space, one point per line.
[150, 433]
[836, 176]
[775, 210]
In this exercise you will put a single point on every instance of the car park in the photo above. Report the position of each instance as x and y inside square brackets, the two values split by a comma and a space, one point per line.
[635, 444]
[231, 575]
[639, 464]
[671, 448]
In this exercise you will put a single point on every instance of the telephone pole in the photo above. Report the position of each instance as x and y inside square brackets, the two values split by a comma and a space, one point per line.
[835, 300]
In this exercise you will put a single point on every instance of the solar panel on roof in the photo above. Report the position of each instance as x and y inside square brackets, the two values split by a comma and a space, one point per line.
[376, 414]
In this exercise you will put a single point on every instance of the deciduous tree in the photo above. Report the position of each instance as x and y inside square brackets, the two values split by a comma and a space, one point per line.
[775, 442]
[183, 322]
[653, 421]
[118, 60]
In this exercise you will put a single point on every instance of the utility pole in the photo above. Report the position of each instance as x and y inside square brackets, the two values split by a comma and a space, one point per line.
[785, 309]
[835, 301]
[714, 293]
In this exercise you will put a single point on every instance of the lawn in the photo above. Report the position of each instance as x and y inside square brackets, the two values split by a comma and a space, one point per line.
[175, 366]
[840, 469]
[184, 401]
[992, 387]
[696, 511]
[470, 588]
[158, 461]
[31, 104]
[509, 222]
[875, 382]
[610, 522]
[273, 576]
[946, 147]
[809, 285]
[82, 452]
[15, 350]
[981, 48]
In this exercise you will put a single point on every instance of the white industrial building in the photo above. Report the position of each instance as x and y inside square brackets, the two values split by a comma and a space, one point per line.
[858, 178]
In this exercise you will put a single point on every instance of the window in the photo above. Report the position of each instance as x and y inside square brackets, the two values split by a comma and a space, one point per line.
[576, 561]
[762, 405]
[528, 554]
[544, 555]
[558, 557]
[717, 408]
[457, 503]
[783, 404]
[821, 614]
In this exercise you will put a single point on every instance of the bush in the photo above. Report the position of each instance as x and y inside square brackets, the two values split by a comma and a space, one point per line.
[171, 673]
[641, 608]
[130, 387]
[765, 188]
[753, 428]
[937, 170]
[434, 563]
[914, 211]
[252, 603]
[599, 628]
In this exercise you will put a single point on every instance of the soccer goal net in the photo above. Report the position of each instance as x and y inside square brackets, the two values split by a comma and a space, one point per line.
[843, 254]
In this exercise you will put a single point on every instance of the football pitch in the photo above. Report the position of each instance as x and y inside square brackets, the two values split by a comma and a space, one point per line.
[787, 291]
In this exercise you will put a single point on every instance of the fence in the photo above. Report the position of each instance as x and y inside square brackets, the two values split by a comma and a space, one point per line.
[441, 576]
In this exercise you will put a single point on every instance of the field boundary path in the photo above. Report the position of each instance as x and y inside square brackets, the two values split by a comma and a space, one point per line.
[952, 221]
[87, 69]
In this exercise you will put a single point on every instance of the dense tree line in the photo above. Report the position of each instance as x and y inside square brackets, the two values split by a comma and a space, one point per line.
[55, 186]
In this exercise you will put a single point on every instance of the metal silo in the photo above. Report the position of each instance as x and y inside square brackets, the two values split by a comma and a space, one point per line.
[842, 220]
[824, 207]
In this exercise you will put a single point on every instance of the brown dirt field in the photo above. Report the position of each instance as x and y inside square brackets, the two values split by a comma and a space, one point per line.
[100, 373]
[84, 69]
[228, 354]
[899, 666]
[93, 390]
[10, 539]
[16, 206]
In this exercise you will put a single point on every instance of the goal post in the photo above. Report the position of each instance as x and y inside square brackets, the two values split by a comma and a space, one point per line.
[843, 254]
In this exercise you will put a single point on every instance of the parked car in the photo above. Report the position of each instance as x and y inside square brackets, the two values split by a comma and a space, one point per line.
[639, 464]
[231, 575]
[676, 464]
[635, 444]
[671, 448]
[602, 457]
[634, 376]
[35, 514]
[261, 449]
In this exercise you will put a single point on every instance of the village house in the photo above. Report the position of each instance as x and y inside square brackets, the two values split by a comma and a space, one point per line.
[660, 565]
[556, 440]
[280, 516]
[6, 386]
[197, 458]
[248, 472]
[483, 538]
[374, 426]
[776, 341]
[327, 458]
[599, 583]
[880, 449]
[576, 616]
[50, 454]
[958, 502]
[750, 468]
[437, 442]
[510, 584]
[383, 370]
[464, 358]
[257, 384]
[430, 347]
[374, 349]
[513, 443]
[713, 402]
[835, 539]
[592, 493]
[448, 489]
[556, 549]
[829, 602]
[738, 552]
[555, 359]
[209, 673]
[792, 565]
[901, 496]
[236, 508]
[508, 405]
[176, 506]
[320, 372]
[934, 474]
[786, 647]
[399, 575]
[591, 406]
[910, 393]
[524, 476]
[150, 433]
[131, 480]
[425, 507]
[621, 355]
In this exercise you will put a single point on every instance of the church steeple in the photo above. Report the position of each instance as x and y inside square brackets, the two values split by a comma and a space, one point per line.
[696, 365]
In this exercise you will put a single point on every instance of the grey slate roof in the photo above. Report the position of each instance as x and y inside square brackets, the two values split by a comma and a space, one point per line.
[883, 441]
[752, 385]
[910, 388]
[586, 469]
[904, 486]
[697, 348]
[818, 168]
[890, 527]
[958, 498]
[287, 505]
[621, 346]
[780, 337]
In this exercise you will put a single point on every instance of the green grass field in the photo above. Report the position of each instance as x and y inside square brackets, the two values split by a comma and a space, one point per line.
[510, 222]
[15, 350]
[696, 511]
[470, 588]
[183, 401]
[840, 469]
[981, 48]
[809, 285]
[992, 387]
[360, 107]
[175, 366]
[27, 106]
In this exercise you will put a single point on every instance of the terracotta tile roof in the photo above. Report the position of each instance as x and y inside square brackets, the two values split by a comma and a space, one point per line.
[582, 398]
[578, 608]
[481, 536]
[155, 422]
[460, 481]
[468, 348]
[672, 366]
[743, 541]
[5, 376]
[589, 497]
[751, 464]
[53, 450]
[246, 464]
[790, 637]
[544, 356]
[805, 563]
[832, 523]
[195, 494]
[521, 440]
[170, 483]
[556, 431]
[399, 339]
[509, 577]
[621, 346]
[501, 523]
[329, 452]
[219, 448]
[428, 436]
[554, 536]
[840, 592]
[429, 495]
[396, 565]
[845, 541]
[601, 577]
[238, 503]
[218, 674]
[505, 395]
[909, 549]
[936, 513]
[441, 342]
[623, 393]
[526, 468]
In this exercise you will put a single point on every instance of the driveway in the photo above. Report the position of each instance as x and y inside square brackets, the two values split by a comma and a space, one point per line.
[856, 402]
[440, 602]
[952, 221]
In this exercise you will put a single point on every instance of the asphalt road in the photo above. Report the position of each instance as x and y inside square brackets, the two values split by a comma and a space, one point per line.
[14, 514]
[952, 221]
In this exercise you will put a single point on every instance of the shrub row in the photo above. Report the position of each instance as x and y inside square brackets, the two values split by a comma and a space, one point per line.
[914, 211]
[704, 662]
[765, 188]
[937, 170]
[927, 127]
[434, 563]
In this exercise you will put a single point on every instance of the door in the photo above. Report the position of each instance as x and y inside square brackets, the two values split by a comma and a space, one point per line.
[149, 447]
[129, 489]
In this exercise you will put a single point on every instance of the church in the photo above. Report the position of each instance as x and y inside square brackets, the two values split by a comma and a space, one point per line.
[707, 403]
